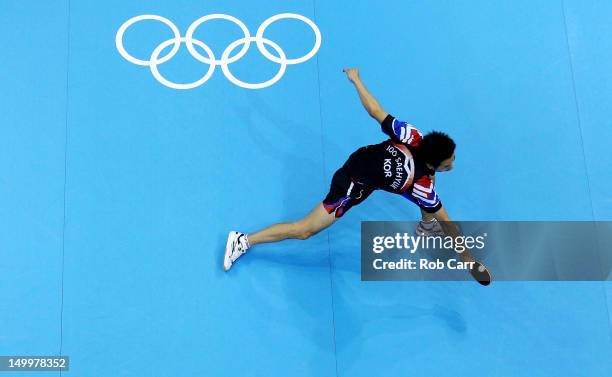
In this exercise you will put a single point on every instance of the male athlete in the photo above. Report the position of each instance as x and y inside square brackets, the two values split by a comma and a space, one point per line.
[405, 164]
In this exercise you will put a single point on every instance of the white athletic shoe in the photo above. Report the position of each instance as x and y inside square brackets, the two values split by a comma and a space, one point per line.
[429, 229]
[237, 244]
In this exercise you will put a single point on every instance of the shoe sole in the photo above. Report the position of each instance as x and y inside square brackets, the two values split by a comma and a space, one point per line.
[228, 245]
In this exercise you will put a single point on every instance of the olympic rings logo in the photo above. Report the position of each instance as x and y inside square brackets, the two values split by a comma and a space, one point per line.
[155, 60]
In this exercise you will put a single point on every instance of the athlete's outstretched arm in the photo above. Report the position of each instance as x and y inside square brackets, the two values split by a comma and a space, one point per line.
[367, 99]
[477, 269]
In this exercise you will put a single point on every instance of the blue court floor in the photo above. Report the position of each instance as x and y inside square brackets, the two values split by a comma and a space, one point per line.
[117, 192]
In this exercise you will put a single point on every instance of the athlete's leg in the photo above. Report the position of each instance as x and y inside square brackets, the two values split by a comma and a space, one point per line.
[317, 220]
[344, 193]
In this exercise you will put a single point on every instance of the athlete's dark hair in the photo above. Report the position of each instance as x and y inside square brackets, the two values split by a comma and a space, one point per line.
[436, 147]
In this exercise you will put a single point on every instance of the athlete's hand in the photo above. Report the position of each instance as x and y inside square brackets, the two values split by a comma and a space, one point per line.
[352, 74]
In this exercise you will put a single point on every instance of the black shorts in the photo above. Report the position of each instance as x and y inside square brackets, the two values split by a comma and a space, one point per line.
[344, 192]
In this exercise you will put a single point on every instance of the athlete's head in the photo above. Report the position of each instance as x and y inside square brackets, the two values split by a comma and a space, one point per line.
[438, 151]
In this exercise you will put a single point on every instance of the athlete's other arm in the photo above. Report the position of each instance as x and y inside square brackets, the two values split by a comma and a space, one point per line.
[369, 102]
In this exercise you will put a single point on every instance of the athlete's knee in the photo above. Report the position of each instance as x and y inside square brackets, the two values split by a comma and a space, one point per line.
[305, 234]
[303, 230]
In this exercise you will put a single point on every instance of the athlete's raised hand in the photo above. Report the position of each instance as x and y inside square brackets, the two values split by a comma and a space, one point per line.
[352, 74]
[367, 100]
